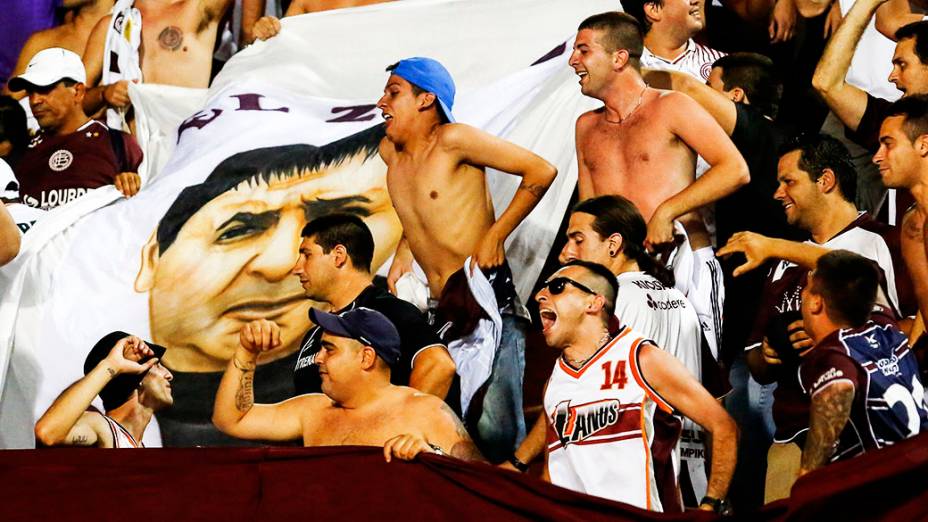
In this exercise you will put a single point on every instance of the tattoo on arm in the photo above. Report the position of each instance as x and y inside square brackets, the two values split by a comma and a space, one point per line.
[79, 440]
[464, 448]
[534, 189]
[831, 408]
[245, 396]
[111, 371]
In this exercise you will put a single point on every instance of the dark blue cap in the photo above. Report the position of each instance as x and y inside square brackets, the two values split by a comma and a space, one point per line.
[430, 76]
[120, 388]
[369, 327]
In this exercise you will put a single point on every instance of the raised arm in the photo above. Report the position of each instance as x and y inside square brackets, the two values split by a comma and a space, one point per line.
[673, 382]
[894, 14]
[757, 249]
[100, 96]
[695, 127]
[474, 146]
[715, 103]
[846, 101]
[235, 412]
[67, 421]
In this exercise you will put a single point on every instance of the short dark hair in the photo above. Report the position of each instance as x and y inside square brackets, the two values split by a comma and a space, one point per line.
[13, 127]
[347, 230]
[914, 111]
[918, 31]
[282, 162]
[635, 8]
[756, 75]
[604, 274]
[817, 152]
[848, 282]
[621, 30]
[614, 214]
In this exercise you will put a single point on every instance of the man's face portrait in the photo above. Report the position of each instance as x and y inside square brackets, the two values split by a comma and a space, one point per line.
[230, 262]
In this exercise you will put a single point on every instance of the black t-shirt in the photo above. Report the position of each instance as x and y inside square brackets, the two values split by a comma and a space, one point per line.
[867, 134]
[415, 335]
[750, 208]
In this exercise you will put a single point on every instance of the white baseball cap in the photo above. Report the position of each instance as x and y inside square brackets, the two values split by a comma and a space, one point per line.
[9, 187]
[48, 67]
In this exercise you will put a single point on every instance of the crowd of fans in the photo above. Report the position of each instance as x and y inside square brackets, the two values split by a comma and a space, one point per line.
[743, 274]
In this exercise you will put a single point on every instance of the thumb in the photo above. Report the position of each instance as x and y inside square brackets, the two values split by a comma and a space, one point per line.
[772, 28]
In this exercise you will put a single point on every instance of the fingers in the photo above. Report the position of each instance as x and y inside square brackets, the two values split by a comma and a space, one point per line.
[260, 335]
[405, 447]
[266, 27]
[772, 29]
[128, 183]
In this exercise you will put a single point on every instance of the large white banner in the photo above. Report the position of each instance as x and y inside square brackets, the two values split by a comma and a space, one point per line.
[288, 131]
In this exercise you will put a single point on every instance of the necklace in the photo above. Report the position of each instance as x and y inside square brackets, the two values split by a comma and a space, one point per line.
[577, 363]
[635, 108]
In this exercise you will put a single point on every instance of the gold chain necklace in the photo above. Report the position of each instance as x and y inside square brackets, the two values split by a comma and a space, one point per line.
[635, 108]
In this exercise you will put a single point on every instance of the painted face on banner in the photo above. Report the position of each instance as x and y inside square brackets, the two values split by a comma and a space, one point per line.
[230, 263]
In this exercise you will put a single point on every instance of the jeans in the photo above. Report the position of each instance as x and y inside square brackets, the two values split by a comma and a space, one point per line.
[501, 423]
[751, 406]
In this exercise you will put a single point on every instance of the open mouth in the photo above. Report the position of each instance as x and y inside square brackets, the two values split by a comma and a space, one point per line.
[259, 309]
[548, 318]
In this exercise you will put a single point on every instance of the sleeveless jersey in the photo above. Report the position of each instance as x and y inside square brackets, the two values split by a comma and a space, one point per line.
[609, 434]
[121, 436]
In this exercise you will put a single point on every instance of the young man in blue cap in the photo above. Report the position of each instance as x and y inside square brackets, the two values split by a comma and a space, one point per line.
[359, 406]
[127, 374]
[436, 174]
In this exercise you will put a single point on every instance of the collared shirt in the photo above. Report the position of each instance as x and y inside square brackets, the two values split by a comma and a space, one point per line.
[696, 60]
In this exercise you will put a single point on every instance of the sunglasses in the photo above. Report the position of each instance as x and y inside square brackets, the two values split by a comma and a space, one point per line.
[556, 286]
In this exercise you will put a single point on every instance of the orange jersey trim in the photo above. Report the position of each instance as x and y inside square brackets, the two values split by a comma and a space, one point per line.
[576, 374]
[636, 373]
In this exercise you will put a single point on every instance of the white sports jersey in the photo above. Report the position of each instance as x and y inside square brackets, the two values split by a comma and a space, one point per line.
[696, 60]
[121, 436]
[610, 434]
[665, 316]
[25, 216]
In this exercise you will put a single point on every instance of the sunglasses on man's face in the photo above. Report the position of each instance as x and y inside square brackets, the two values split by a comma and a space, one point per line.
[556, 286]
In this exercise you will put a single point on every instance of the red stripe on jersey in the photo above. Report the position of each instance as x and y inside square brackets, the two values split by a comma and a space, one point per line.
[628, 422]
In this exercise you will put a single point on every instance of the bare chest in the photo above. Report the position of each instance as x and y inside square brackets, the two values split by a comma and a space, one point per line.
[177, 42]
[339, 428]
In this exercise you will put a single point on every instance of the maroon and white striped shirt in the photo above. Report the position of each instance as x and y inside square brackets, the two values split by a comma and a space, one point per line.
[696, 60]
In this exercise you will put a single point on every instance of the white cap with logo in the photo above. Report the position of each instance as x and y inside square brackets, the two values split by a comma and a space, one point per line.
[9, 187]
[48, 67]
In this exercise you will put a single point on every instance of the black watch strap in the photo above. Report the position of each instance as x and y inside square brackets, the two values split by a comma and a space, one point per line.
[718, 505]
[518, 464]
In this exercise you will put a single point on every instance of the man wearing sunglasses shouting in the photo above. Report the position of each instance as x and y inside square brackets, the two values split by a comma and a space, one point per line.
[611, 399]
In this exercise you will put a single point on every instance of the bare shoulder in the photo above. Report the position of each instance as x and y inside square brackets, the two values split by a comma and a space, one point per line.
[589, 118]
[673, 100]
[455, 135]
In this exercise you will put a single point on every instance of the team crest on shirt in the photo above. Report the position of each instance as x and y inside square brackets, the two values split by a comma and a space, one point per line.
[60, 160]
[576, 423]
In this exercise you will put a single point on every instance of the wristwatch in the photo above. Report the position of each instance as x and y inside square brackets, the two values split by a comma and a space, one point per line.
[436, 449]
[518, 464]
[720, 506]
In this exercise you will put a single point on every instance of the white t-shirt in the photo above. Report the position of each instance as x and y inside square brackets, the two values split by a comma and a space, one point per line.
[696, 60]
[872, 61]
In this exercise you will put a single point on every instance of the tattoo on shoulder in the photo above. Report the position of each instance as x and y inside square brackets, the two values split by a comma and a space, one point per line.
[534, 189]
[464, 448]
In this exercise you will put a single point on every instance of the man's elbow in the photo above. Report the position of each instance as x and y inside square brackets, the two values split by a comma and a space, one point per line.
[9, 249]
[45, 435]
[546, 173]
[822, 81]
[740, 175]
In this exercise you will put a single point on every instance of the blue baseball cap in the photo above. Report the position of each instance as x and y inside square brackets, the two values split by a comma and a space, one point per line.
[430, 76]
[369, 327]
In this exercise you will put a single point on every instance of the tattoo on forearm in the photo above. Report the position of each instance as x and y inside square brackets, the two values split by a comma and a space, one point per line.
[79, 440]
[831, 408]
[245, 397]
[111, 371]
[534, 189]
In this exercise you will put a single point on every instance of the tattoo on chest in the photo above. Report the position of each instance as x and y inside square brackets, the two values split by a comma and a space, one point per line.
[171, 38]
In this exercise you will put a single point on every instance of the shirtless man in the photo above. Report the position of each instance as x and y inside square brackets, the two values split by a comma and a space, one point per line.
[359, 406]
[178, 38]
[437, 181]
[643, 143]
[71, 35]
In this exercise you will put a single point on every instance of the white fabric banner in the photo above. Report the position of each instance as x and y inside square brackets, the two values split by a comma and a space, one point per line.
[209, 241]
